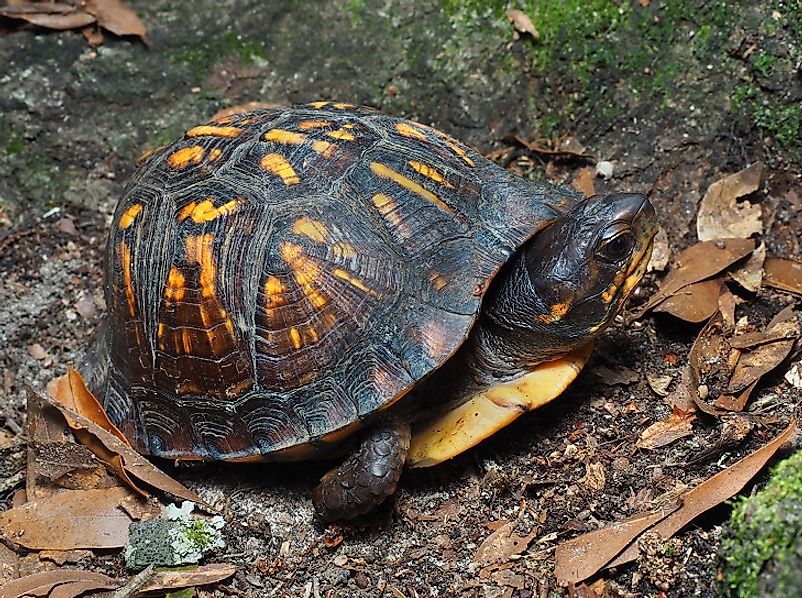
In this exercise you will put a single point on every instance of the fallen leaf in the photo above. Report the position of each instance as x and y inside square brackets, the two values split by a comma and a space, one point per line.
[783, 274]
[69, 583]
[620, 375]
[720, 216]
[172, 579]
[661, 252]
[697, 263]
[659, 384]
[694, 303]
[616, 544]
[794, 375]
[755, 363]
[750, 275]
[9, 565]
[69, 520]
[583, 181]
[522, 23]
[93, 36]
[62, 557]
[117, 17]
[570, 144]
[534, 146]
[595, 477]
[49, 15]
[118, 453]
[662, 433]
[503, 543]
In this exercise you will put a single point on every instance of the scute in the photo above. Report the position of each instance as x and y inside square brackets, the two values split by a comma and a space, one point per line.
[276, 276]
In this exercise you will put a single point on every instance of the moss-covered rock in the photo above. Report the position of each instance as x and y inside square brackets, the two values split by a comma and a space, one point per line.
[762, 548]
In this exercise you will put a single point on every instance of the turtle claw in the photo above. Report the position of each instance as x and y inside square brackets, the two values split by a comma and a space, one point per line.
[367, 477]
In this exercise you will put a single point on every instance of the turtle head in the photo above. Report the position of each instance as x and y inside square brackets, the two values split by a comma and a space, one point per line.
[583, 266]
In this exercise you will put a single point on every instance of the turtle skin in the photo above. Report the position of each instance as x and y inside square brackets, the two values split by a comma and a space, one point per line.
[276, 279]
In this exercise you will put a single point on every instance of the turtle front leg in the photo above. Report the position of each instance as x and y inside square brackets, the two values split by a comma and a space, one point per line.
[367, 477]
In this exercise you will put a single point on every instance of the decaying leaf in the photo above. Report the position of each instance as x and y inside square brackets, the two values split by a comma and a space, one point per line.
[499, 546]
[583, 181]
[117, 453]
[69, 520]
[720, 216]
[661, 252]
[662, 433]
[697, 263]
[615, 545]
[659, 383]
[117, 17]
[521, 22]
[9, 565]
[189, 576]
[64, 583]
[694, 303]
[783, 274]
[750, 275]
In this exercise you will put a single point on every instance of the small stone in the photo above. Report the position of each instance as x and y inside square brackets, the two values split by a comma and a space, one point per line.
[85, 308]
[794, 375]
[604, 169]
[341, 560]
[37, 351]
[362, 581]
[66, 225]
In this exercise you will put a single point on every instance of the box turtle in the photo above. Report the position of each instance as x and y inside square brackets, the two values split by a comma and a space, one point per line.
[328, 280]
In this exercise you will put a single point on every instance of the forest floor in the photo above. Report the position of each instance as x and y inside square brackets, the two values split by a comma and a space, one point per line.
[673, 95]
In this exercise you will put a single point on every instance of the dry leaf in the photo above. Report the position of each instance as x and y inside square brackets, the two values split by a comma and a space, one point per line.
[117, 17]
[783, 274]
[581, 557]
[69, 583]
[118, 454]
[659, 384]
[499, 546]
[662, 433]
[189, 576]
[583, 181]
[9, 565]
[694, 303]
[756, 363]
[595, 477]
[750, 275]
[660, 252]
[69, 520]
[697, 263]
[48, 15]
[522, 23]
[720, 216]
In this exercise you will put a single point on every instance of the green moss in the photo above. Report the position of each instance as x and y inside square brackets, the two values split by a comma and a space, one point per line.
[200, 534]
[764, 528]
[15, 144]
[763, 63]
[208, 50]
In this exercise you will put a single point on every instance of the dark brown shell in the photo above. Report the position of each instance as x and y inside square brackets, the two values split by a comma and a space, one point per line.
[275, 277]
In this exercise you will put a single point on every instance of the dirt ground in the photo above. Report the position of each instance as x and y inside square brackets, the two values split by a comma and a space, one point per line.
[73, 120]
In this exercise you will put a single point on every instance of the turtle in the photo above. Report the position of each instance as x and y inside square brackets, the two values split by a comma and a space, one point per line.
[325, 280]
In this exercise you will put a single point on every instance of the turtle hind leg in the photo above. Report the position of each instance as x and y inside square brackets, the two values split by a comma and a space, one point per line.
[367, 477]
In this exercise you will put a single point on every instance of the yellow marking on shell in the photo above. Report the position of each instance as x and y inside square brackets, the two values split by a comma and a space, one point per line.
[277, 164]
[312, 229]
[388, 173]
[214, 154]
[176, 286]
[186, 341]
[461, 153]
[437, 280]
[305, 271]
[342, 133]
[282, 136]
[409, 131]
[329, 320]
[343, 250]
[274, 291]
[199, 250]
[127, 219]
[430, 173]
[305, 125]
[387, 208]
[149, 153]
[342, 105]
[212, 131]
[223, 120]
[317, 105]
[182, 158]
[490, 409]
[353, 281]
[324, 148]
[205, 211]
[295, 338]
[125, 261]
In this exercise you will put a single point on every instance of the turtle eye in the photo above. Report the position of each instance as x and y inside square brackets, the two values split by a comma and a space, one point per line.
[617, 246]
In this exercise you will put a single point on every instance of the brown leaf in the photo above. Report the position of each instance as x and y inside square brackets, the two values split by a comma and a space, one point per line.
[583, 181]
[9, 565]
[503, 543]
[750, 275]
[581, 557]
[69, 520]
[522, 23]
[48, 15]
[70, 391]
[93, 36]
[756, 363]
[697, 263]
[120, 456]
[694, 303]
[662, 433]
[783, 274]
[188, 577]
[70, 582]
[721, 216]
[117, 17]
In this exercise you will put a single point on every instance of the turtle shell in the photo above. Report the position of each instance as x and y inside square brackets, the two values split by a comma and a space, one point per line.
[274, 278]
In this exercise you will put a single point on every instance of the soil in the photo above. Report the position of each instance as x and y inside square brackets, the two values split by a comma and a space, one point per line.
[73, 120]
